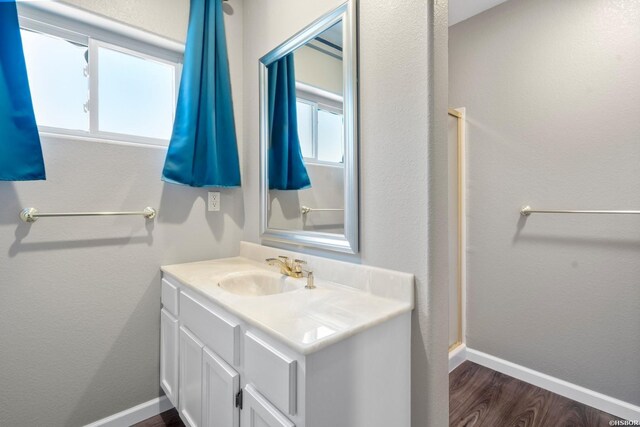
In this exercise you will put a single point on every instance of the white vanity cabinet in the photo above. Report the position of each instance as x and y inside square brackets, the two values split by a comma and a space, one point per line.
[197, 379]
[223, 371]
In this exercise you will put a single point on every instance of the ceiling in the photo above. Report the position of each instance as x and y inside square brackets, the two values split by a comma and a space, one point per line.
[459, 10]
[333, 35]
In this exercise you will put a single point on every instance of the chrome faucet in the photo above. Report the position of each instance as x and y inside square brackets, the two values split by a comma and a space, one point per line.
[292, 268]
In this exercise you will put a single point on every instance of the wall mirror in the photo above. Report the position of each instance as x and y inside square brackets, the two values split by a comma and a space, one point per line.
[309, 136]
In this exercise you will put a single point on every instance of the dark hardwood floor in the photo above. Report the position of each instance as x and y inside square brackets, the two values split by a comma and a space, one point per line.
[169, 419]
[481, 397]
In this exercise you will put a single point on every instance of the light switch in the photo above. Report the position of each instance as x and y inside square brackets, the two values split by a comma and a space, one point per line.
[214, 201]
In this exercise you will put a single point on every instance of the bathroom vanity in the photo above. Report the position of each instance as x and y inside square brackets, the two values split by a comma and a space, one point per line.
[242, 344]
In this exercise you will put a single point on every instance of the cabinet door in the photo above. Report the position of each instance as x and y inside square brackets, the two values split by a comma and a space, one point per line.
[190, 399]
[220, 385]
[169, 355]
[258, 412]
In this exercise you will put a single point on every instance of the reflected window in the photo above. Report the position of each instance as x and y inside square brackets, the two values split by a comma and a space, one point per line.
[330, 143]
[305, 127]
[320, 126]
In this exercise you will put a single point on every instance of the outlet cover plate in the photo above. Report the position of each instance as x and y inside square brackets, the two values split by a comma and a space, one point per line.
[213, 204]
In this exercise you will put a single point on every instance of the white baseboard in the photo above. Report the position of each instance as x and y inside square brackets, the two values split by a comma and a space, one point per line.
[575, 392]
[457, 356]
[136, 414]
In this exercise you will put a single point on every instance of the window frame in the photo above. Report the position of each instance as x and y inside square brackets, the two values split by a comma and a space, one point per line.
[319, 99]
[314, 127]
[93, 31]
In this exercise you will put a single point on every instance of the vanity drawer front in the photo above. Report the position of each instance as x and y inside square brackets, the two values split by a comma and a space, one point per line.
[170, 297]
[272, 372]
[220, 334]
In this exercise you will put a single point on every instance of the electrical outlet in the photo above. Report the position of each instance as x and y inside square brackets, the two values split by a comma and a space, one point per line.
[214, 201]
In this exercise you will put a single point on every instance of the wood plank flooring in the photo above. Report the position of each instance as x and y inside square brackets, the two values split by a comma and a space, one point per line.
[481, 397]
[169, 418]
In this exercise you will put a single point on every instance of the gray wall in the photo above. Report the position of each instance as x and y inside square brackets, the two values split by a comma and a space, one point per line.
[80, 298]
[318, 69]
[327, 191]
[168, 18]
[403, 159]
[552, 93]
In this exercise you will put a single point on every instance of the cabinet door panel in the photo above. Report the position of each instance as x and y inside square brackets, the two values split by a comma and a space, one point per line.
[220, 385]
[169, 356]
[190, 399]
[258, 412]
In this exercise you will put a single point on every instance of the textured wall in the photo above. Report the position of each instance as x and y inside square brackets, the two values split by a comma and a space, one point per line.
[552, 96]
[403, 159]
[168, 18]
[459, 10]
[80, 298]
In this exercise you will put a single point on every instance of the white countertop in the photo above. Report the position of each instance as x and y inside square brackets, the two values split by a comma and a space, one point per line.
[304, 319]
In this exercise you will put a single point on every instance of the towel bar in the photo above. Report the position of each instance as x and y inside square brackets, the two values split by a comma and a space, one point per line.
[528, 210]
[306, 209]
[32, 214]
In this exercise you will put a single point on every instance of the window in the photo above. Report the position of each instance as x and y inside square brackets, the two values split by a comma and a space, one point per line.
[81, 85]
[136, 95]
[320, 128]
[330, 143]
[58, 71]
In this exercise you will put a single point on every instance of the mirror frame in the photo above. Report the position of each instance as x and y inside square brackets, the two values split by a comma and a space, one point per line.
[347, 242]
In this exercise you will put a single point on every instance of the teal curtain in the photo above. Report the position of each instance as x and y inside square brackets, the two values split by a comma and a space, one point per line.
[203, 151]
[20, 151]
[286, 166]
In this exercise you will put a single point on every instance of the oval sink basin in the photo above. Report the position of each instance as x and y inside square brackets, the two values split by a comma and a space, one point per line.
[259, 283]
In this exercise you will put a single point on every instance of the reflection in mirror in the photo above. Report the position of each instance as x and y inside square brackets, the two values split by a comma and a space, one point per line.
[308, 136]
[306, 155]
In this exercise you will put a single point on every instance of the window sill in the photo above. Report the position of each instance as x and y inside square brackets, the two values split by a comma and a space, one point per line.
[312, 162]
[53, 135]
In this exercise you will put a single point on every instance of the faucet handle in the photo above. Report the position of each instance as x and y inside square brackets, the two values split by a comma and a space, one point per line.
[297, 265]
[285, 260]
[310, 281]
